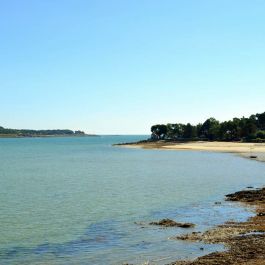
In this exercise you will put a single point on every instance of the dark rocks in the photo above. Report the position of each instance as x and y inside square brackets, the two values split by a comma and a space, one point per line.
[135, 143]
[172, 223]
[248, 196]
[261, 214]
[242, 250]
[245, 241]
[185, 225]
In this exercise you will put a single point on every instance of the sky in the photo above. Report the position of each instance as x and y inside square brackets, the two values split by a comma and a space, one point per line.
[120, 66]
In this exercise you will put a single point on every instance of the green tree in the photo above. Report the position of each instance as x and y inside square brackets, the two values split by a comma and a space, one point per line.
[159, 130]
[210, 129]
[188, 131]
[261, 120]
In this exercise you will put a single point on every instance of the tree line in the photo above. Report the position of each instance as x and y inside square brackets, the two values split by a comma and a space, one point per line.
[32, 133]
[237, 129]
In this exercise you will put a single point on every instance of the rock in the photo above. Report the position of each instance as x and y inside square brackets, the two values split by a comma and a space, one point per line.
[186, 225]
[172, 223]
[257, 195]
[261, 214]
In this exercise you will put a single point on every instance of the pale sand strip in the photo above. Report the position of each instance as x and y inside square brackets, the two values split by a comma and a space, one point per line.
[232, 147]
[243, 149]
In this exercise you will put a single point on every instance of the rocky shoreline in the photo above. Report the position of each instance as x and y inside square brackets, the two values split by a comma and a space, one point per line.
[245, 241]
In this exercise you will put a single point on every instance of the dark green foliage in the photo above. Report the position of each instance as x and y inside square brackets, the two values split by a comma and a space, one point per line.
[261, 120]
[159, 131]
[261, 134]
[188, 131]
[210, 129]
[246, 129]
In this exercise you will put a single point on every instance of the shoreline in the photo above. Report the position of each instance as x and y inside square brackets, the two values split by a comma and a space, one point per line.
[255, 151]
[2, 136]
[245, 241]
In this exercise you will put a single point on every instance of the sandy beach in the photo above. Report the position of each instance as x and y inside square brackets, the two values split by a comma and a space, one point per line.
[256, 150]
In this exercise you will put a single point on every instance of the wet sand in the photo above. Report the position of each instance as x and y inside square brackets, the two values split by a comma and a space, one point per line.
[254, 150]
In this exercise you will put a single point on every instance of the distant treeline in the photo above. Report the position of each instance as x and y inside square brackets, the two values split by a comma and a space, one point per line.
[35, 133]
[237, 129]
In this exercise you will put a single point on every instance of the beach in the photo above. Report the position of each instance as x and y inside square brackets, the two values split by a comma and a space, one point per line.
[254, 150]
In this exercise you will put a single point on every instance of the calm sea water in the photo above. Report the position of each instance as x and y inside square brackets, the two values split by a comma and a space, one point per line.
[76, 200]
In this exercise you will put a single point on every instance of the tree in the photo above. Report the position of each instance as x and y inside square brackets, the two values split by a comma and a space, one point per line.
[261, 134]
[159, 130]
[247, 127]
[210, 129]
[229, 130]
[261, 120]
[188, 131]
[233, 130]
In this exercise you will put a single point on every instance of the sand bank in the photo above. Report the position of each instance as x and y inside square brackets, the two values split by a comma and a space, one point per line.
[244, 149]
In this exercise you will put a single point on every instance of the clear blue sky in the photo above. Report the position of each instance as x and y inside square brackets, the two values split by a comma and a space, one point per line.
[120, 66]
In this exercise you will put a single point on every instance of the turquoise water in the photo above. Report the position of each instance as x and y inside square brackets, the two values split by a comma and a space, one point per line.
[76, 200]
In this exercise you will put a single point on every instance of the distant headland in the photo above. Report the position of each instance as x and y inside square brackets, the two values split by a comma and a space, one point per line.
[243, 136]
[251, 129]
[16, 133]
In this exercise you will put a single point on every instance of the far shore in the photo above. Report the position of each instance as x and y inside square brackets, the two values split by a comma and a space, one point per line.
[249, 150]
[47, 136]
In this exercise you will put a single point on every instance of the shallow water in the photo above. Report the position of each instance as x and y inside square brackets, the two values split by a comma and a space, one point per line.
[75, 200]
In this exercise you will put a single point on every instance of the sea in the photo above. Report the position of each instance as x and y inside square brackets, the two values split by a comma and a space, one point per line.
[81, 200]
